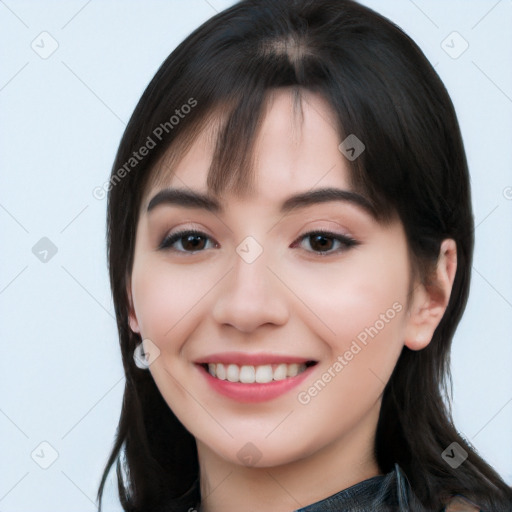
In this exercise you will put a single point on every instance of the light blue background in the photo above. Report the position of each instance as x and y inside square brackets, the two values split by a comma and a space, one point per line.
[61, 121]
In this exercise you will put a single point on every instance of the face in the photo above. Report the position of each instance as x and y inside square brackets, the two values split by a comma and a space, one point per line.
[276, 327]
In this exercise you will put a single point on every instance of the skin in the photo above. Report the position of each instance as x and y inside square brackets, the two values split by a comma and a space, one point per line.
[290, 300]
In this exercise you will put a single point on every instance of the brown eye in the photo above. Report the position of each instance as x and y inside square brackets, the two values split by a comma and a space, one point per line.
[323, 242]
[189, 240]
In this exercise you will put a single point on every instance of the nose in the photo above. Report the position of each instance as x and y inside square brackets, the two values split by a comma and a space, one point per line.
[250, 296]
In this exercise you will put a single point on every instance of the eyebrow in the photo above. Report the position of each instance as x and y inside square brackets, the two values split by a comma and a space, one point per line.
[191, 199]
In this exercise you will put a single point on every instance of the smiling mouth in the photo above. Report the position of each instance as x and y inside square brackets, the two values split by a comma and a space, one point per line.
[261, 374]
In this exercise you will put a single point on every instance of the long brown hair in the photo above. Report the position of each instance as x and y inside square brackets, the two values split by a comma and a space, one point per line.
[380, 87]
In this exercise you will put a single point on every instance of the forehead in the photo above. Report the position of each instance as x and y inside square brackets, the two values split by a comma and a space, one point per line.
[296, 149]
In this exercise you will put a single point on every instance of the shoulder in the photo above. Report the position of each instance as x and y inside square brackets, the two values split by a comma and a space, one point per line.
[461, 504]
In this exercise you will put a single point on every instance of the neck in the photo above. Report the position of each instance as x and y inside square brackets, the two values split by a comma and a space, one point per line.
[229, 487]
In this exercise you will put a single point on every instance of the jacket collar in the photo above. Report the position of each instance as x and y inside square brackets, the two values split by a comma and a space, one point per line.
[383, 493]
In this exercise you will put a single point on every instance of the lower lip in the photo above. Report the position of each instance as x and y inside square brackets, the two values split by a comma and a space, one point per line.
[255, 392]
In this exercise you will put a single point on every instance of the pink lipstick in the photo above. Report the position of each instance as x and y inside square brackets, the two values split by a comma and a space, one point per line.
[253, 378]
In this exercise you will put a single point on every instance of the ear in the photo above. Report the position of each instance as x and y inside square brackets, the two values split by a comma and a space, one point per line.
[429, 301]
[132, 318]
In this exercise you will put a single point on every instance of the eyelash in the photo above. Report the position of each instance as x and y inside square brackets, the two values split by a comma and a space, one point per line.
[346, 241]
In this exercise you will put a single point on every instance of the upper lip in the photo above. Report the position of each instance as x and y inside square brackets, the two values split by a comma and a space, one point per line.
[244, 358]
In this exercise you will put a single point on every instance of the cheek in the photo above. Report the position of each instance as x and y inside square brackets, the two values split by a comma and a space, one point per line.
[364, 304]
[166, 298]
[347, 298]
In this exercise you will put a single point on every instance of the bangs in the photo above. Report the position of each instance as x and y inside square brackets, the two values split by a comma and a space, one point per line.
[232, 129]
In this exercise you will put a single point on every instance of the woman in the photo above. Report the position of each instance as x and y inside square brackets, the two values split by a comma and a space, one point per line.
[290, 240]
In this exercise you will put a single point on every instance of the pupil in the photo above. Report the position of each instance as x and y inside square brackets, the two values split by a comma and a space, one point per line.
[325, 242]
[194, 240]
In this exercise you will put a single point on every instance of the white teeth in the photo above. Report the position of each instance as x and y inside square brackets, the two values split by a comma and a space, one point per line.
[280, 372]
[233, 373]
[220, 372]
[264, 374]
[293, 370]
[249, 374]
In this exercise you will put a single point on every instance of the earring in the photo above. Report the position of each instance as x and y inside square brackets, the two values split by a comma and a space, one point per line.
[140, 357]
[145, 354]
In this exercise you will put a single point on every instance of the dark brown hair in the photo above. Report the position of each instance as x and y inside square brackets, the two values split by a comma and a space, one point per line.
[381, 88]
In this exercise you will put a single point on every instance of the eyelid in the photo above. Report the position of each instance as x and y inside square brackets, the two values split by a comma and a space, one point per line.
[345, 239]
[176, 235]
